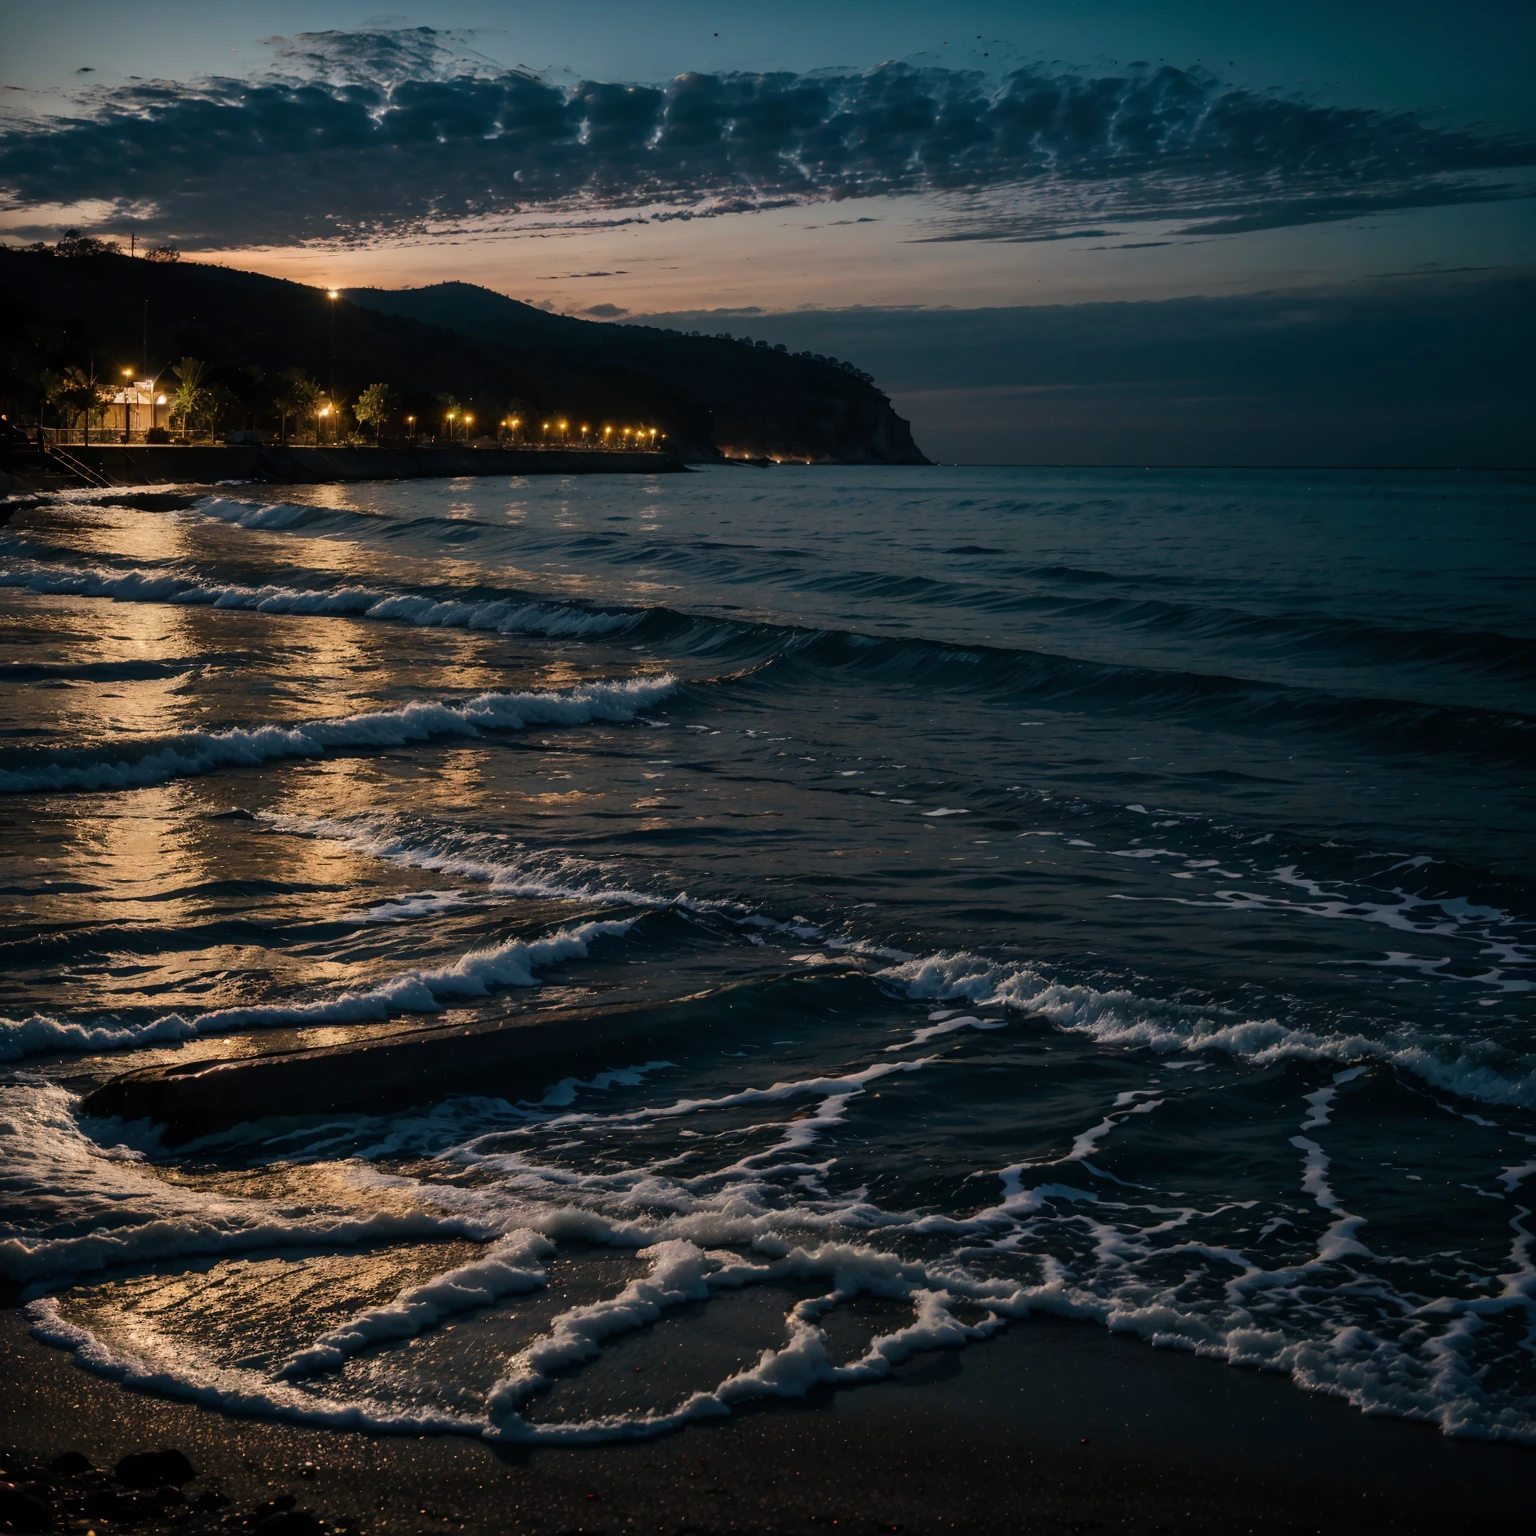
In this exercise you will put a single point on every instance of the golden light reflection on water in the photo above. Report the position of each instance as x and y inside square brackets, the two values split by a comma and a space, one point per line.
[127, 534]
[255, 1311]
[105, 635]
[141, 854]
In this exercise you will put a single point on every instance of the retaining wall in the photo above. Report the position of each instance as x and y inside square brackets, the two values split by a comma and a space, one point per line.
[172, 464]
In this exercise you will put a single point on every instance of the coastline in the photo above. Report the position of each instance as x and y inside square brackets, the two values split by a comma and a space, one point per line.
[1050, 1427]
[290, 464]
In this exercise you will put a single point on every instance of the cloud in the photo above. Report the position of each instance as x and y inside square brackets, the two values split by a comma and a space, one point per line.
[352, 135]
[604, 311]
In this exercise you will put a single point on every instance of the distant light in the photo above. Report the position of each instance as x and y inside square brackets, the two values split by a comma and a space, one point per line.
[333, 294]
[159, 399]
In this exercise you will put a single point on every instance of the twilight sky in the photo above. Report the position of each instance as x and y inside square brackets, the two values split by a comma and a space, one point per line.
[1097, 232]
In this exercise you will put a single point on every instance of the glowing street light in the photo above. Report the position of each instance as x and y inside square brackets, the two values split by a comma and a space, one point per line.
[410, 421]
[332, 294]
[127, 406]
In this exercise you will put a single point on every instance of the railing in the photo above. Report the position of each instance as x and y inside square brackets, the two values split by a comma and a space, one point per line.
[71, 465]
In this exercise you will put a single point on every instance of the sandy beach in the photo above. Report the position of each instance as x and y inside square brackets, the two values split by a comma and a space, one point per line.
[1051, 1427]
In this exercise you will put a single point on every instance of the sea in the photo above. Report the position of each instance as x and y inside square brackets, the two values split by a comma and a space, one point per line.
[1104, 895]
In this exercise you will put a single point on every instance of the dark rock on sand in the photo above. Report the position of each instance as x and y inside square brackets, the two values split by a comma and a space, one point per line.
[290, 1522]
[154, 1469]
[70, 1464]
[120, 1508]
[21, 1509]
[280, 1505]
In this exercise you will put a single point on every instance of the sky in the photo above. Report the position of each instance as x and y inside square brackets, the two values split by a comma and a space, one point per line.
[969, 209]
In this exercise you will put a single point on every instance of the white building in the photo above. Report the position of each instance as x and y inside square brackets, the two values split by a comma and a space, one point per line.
[146, 407]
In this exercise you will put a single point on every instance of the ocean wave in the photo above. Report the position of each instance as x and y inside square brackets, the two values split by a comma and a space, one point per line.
[508, 871]
[508, 614]
[950, 1307]
[195, 752]
[422, 990]
[97, 1205]
[1043, 680]
[782, 655]
[1141, 607]
[1470, 1069]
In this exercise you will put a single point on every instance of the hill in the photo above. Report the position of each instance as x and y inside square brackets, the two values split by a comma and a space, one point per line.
[64, 307]
[97, 309]
[765, 400]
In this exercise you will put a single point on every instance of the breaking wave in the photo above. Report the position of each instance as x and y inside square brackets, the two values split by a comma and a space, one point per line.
[194, 752]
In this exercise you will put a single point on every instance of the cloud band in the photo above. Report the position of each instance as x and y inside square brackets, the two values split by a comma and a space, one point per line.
[357, 135]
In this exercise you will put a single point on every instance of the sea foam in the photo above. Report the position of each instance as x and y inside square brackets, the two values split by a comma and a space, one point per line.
[510, 615]
[424, 990]
[194, 752]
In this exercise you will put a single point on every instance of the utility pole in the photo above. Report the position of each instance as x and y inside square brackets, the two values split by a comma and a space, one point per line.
[333, 295]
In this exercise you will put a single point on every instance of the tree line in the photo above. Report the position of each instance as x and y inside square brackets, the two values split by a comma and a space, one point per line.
[198, 401]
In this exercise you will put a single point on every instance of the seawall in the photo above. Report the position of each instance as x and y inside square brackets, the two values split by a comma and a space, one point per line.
[173, 464]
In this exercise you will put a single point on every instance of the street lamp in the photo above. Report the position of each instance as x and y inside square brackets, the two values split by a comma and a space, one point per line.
[410, 421]
[450, 419]
[320, 416]
[127, 405]
[469, 421]
[333, 295]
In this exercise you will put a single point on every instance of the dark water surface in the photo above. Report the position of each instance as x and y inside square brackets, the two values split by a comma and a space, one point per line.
[1123, 884]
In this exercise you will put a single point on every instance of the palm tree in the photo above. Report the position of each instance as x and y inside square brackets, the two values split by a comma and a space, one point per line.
[50, 391]
[84, 393]
[299, 398]
[190, 396]
[374, 407]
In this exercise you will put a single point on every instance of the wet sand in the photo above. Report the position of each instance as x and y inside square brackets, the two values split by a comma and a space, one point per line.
[1051, 1427]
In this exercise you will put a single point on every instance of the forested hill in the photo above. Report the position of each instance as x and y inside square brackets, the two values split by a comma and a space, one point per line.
[62, 309]
[764, 400]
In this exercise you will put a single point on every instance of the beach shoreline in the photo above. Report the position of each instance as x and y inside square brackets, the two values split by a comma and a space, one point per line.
[1051, 1427]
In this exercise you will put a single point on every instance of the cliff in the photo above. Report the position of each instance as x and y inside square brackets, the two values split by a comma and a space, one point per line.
[765, 402]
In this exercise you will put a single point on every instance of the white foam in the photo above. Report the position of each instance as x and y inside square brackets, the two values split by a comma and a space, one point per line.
[504, 615]
[196, 752]
[98, 1205]
[180, 1373]
[415, 991]
[1469, 1069]
[508, 1267]
[507, 870]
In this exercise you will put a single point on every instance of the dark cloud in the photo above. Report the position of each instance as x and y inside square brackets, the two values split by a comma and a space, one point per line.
[354, 134]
